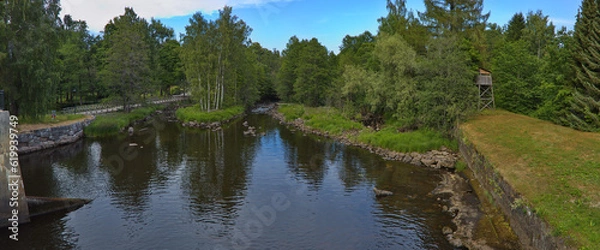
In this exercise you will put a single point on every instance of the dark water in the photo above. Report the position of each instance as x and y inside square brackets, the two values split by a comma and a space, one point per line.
[191, 189]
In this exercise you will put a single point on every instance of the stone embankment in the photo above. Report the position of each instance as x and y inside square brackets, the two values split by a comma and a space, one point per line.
[443, 158]
[50, 137]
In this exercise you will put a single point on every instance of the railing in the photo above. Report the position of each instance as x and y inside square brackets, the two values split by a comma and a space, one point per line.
[100, 108]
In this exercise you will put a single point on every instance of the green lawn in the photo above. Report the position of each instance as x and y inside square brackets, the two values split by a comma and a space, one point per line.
[113, 123]
[328, 119]
[193, 113]
[557, 169]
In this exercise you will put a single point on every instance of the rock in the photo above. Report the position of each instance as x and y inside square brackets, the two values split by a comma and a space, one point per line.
[381, 193]
[447, 230]
[130, 131]
[428, 162]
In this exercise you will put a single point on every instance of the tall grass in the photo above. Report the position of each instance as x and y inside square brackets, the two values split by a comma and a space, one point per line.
[113, 123]
[193, 113]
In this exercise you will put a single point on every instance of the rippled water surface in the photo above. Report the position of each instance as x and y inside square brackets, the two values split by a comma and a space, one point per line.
[190, 189]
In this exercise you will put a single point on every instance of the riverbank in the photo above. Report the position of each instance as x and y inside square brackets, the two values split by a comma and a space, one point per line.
[554, 171]
[420, 148]
[193, 117]
[476, 226]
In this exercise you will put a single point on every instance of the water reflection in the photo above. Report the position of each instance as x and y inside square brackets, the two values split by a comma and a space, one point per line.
[190, 189]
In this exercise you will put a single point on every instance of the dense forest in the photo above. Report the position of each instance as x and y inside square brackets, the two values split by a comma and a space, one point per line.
[418, 71]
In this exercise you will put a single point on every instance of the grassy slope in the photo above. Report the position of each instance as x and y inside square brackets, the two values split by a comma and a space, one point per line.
[193, 113]
[111, 124]
[331, 120]
[557, 169]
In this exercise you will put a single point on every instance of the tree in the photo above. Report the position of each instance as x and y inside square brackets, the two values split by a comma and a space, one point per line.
[29, 41]
[516, 78]
[127, 72]
[215, 60]
[163, 56]
[287, 73]
[403, 22]
[454, 16]
[312, 74]
[539, 32]
[516, 25]
[169, 65]
[74, 61]
[585, 105]
[445, 91]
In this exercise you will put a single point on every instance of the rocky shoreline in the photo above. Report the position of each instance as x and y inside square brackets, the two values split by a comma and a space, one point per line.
[442, 158]
[455, 195]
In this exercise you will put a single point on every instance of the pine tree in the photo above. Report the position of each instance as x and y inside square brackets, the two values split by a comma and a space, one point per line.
[454, 16]
[585, 106]
[516, 25]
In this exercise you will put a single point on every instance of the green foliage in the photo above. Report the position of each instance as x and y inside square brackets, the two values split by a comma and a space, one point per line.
[29, 38]
[445, 93]
[127, 69]
[306, 72]
[195, 113]
[216, 64]
[516, 25]
[114, 123]
[516, 80]
[585, 104]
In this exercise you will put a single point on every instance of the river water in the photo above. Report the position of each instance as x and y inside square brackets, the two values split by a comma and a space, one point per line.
[183, 188]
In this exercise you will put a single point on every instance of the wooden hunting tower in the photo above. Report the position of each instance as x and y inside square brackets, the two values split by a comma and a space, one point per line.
[486, 90]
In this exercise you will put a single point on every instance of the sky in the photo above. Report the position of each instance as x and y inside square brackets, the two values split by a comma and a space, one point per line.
[275, 21]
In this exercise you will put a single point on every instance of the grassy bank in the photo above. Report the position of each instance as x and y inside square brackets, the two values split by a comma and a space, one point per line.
[193, 113]
[113, 123]
[557, 170]
[330, 120]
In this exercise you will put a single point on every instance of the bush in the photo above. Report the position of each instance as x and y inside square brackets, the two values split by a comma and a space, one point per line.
[193, 113]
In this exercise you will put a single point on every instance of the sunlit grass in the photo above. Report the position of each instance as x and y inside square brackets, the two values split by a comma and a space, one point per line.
[193, 113]
[557, 169]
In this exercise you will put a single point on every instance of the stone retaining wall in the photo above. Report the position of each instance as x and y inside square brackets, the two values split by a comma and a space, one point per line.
[533, 232]
[35, 140]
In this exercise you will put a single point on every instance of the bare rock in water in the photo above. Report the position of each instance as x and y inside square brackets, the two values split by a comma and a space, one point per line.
[381, 193]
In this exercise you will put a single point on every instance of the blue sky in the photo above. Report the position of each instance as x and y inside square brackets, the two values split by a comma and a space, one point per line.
[275, 21]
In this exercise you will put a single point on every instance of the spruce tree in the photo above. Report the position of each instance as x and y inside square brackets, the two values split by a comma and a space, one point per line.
[585, 105]
[516, 25]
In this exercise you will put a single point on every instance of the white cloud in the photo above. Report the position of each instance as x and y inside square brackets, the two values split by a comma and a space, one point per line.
[98, 13]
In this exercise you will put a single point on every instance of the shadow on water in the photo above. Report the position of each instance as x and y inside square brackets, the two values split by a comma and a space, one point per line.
[191, 189]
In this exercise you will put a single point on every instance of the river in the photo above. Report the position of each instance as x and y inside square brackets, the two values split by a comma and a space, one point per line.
[183, 188]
